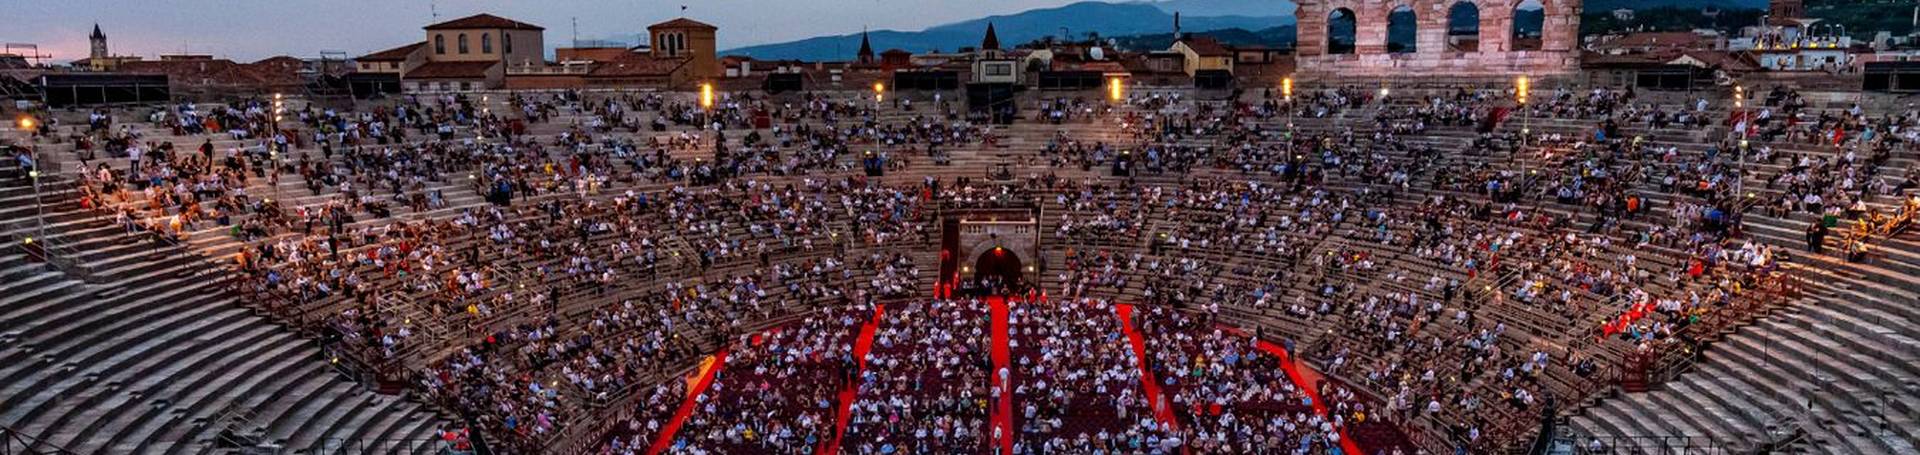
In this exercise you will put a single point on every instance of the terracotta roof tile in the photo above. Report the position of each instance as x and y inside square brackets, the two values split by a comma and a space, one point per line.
[683, 23]
[392, 55]
[638, 65]
[484, 21]
[451, 70]
[1207, 47]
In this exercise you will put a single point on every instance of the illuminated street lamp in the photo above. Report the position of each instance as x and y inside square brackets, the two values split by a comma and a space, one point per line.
[706, 95]
[27, 124]
[1746, 130]
[1522, 88]
[879, 91]
[1286, 93]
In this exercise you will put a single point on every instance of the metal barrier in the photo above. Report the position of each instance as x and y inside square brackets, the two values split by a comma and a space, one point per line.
[1650, 445]
[14, 442]
[404, 445]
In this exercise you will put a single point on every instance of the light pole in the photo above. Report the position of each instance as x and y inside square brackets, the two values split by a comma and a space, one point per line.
[33, 154]
[706, 105]
[1522, 87]
[273, 147]
[1746, 131]
[1286, 94]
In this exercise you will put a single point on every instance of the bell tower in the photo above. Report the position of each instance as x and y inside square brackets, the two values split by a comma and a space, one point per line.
[99, 41]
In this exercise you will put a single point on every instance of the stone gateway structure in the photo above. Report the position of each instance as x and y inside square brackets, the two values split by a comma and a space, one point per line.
[1470, 38]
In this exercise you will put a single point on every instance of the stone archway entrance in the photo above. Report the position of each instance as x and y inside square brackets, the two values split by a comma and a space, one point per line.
[1000, 247]
[999, 267]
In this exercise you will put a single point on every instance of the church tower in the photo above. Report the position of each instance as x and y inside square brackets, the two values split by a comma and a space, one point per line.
[99, 41]
[865, 56]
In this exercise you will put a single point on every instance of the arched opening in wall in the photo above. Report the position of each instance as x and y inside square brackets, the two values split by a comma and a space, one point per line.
[1529, 23]
[1403, 30]
[998, 269]
[1463, 27]
[1340, 31]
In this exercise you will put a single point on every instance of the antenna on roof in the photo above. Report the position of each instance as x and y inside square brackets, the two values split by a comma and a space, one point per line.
[434, 9]
[576, 31]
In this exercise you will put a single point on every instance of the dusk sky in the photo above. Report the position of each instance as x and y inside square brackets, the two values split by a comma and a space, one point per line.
[249, 30]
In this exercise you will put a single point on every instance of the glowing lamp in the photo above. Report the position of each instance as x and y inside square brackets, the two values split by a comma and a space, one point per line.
[706, 95]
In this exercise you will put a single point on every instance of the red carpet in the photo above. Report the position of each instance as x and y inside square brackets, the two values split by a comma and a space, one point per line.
[1003, 410]
[850, 391]
[1305, 378]
[1162, 410]
[701, 379]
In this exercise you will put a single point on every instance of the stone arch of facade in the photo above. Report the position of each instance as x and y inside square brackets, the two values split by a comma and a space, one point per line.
[1018, 237]
[1464, 41]
[1412, 45]
[1515, 41]
[1342, 21]
[1495, 56]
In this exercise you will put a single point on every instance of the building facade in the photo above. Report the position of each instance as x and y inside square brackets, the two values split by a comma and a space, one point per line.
[1490, 46]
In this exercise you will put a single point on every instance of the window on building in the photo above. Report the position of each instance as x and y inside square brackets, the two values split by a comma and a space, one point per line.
[1529, 22]
[440, 44]
[999, 69]
[506, 42]
[486, 43]
[465, 86]
[1402, 31]
[1463, 27]
[1341, 30]
[463, 43]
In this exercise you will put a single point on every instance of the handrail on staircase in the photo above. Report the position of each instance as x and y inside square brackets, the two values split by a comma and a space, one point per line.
[16, 442]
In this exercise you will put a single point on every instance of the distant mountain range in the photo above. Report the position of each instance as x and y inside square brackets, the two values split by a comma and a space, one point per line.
[1078, 19]
[1274, 37]
[1137, 25]
[1610, 5]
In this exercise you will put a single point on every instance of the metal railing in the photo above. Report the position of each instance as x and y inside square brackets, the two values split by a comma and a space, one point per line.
[14, 442]
[1650, 445]
[388, 445]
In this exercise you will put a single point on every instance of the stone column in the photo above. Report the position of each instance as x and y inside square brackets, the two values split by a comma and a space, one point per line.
[1311, 29]
[1562, 28]
[1430, 18]
[1370, 27]
[1496, 26]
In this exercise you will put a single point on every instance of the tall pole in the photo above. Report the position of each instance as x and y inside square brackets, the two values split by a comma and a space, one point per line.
[1286, 93]
[33, 154]
[273, 147]
[1522, 87]
[1746, 131]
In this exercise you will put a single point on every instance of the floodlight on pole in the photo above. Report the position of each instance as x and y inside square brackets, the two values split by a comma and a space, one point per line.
[706, 95]
[1522, 86]
[1116, 89]
[1286, 88]
[879, 91]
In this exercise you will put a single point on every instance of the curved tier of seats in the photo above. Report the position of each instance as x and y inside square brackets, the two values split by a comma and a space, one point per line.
[140, 347]
[137, 344]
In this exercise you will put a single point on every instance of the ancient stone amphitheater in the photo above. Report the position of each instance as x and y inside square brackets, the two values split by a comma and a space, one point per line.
[1414, 294]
